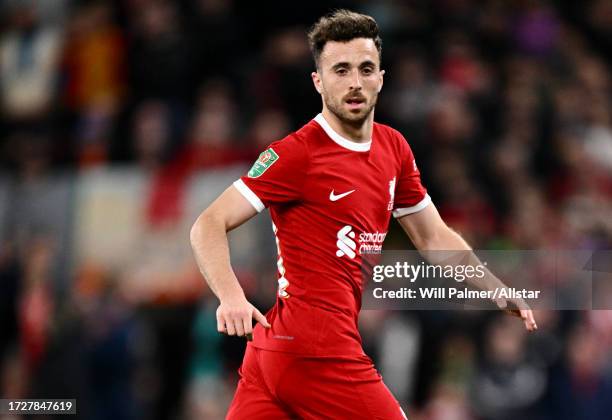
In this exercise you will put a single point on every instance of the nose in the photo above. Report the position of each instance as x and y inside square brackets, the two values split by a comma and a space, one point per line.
[355, 80]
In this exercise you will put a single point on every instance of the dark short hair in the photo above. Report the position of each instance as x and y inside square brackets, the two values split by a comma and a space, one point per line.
[342, 26]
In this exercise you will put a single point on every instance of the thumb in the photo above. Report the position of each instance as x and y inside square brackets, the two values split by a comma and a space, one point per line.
[260, 318]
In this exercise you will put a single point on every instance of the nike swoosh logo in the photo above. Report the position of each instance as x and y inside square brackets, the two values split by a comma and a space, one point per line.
[334, 197]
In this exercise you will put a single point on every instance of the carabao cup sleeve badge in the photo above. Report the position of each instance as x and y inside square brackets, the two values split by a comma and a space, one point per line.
[266, 159]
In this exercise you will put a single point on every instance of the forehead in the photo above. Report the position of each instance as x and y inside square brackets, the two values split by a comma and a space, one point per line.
[355, 51]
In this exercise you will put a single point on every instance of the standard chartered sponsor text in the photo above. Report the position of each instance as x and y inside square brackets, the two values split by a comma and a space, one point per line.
[371, 242]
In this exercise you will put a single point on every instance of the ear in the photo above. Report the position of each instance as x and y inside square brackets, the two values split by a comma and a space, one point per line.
[382, 73]
[316, 80]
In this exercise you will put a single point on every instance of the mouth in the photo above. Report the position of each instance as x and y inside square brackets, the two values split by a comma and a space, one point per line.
[355, 102]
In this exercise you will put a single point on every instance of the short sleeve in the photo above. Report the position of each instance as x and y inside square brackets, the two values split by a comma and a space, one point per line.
[410, 195]
[277, 176]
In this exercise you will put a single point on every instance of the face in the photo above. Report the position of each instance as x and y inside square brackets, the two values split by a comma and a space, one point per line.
[349, 79]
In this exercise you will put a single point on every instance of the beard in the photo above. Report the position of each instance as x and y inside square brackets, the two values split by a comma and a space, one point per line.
[355, 119]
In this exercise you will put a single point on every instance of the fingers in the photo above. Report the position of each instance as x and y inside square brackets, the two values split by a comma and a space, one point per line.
[231, 329]
[233, 326]
[525, 313]
[239, 321]
[520, 309]
[229, 321]
[259, 317]
[529, 320]
[221, 322]
[248, 328]
[239, 326]
[235, 317]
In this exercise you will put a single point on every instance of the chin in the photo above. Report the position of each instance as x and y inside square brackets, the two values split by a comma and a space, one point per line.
[353, 118]
[359, 116]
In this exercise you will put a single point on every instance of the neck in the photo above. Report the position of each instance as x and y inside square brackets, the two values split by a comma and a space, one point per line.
[360, 132]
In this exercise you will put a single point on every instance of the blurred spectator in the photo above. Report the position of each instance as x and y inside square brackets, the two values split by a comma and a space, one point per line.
[208, 395]
[212, 138]
[447, 403]
[282, 80]
[212, 41]
[507, 384]
[36, 302]
[152, 134]
[268, 125]
[40, 202]
[461, 203]
[94, 73]
[397, 347]
[460, 67]
[582, 389]
[536, 28]
[532, 223]
[211, 142]
[160, 57]
[410, 95]
[29, 59]
[110, 330]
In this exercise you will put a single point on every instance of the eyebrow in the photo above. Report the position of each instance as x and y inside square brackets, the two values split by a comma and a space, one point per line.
[367, 63]
[340, 65]
[347, 64]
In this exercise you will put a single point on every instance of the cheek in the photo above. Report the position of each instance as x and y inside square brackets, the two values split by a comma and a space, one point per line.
[332, 88]
[373, 84]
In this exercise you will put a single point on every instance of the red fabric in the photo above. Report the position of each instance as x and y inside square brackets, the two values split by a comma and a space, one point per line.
[320, 241]
[277, 385]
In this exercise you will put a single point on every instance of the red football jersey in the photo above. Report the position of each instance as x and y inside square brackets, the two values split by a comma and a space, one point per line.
[330, 201]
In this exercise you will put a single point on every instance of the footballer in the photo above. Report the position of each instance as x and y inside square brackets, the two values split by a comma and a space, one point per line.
[331, 188]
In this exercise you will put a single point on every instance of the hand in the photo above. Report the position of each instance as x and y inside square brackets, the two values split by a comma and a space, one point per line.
[235, 315]
[519, 308]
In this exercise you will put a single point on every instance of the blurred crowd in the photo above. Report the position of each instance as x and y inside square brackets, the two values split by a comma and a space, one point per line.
[122, 120]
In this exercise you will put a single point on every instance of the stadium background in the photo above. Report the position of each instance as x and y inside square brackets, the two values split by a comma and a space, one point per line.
[122, 120]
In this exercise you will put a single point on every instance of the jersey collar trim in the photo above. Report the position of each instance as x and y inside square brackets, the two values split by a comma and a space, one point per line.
[341, 141]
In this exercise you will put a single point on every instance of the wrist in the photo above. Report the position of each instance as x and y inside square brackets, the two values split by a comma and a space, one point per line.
[231, 294]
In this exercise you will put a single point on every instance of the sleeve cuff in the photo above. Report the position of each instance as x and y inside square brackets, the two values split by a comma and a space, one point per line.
[413, 209]
[249, 195]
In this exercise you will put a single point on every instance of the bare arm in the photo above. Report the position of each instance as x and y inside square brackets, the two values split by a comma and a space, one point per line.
[428, 232]
[211, 250]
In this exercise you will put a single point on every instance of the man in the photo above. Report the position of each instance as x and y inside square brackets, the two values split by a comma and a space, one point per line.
[331, 188]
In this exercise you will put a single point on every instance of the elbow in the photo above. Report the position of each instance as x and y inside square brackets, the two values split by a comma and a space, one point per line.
[194, 232]
[206, 222]
[426, 244]
[198, 228]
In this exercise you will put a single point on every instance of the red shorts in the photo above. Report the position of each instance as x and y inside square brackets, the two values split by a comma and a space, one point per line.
[276, 385]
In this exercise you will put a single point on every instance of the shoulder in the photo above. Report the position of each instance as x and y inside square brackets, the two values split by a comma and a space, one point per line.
[308, 137]
[311, 134]
[392, 137]
[294, 144]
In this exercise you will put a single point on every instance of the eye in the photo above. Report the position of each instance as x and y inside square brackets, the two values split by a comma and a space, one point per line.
[367, 70]
[341, 71]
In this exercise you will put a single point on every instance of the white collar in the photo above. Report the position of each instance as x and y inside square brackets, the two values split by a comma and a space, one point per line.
[342, 141]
